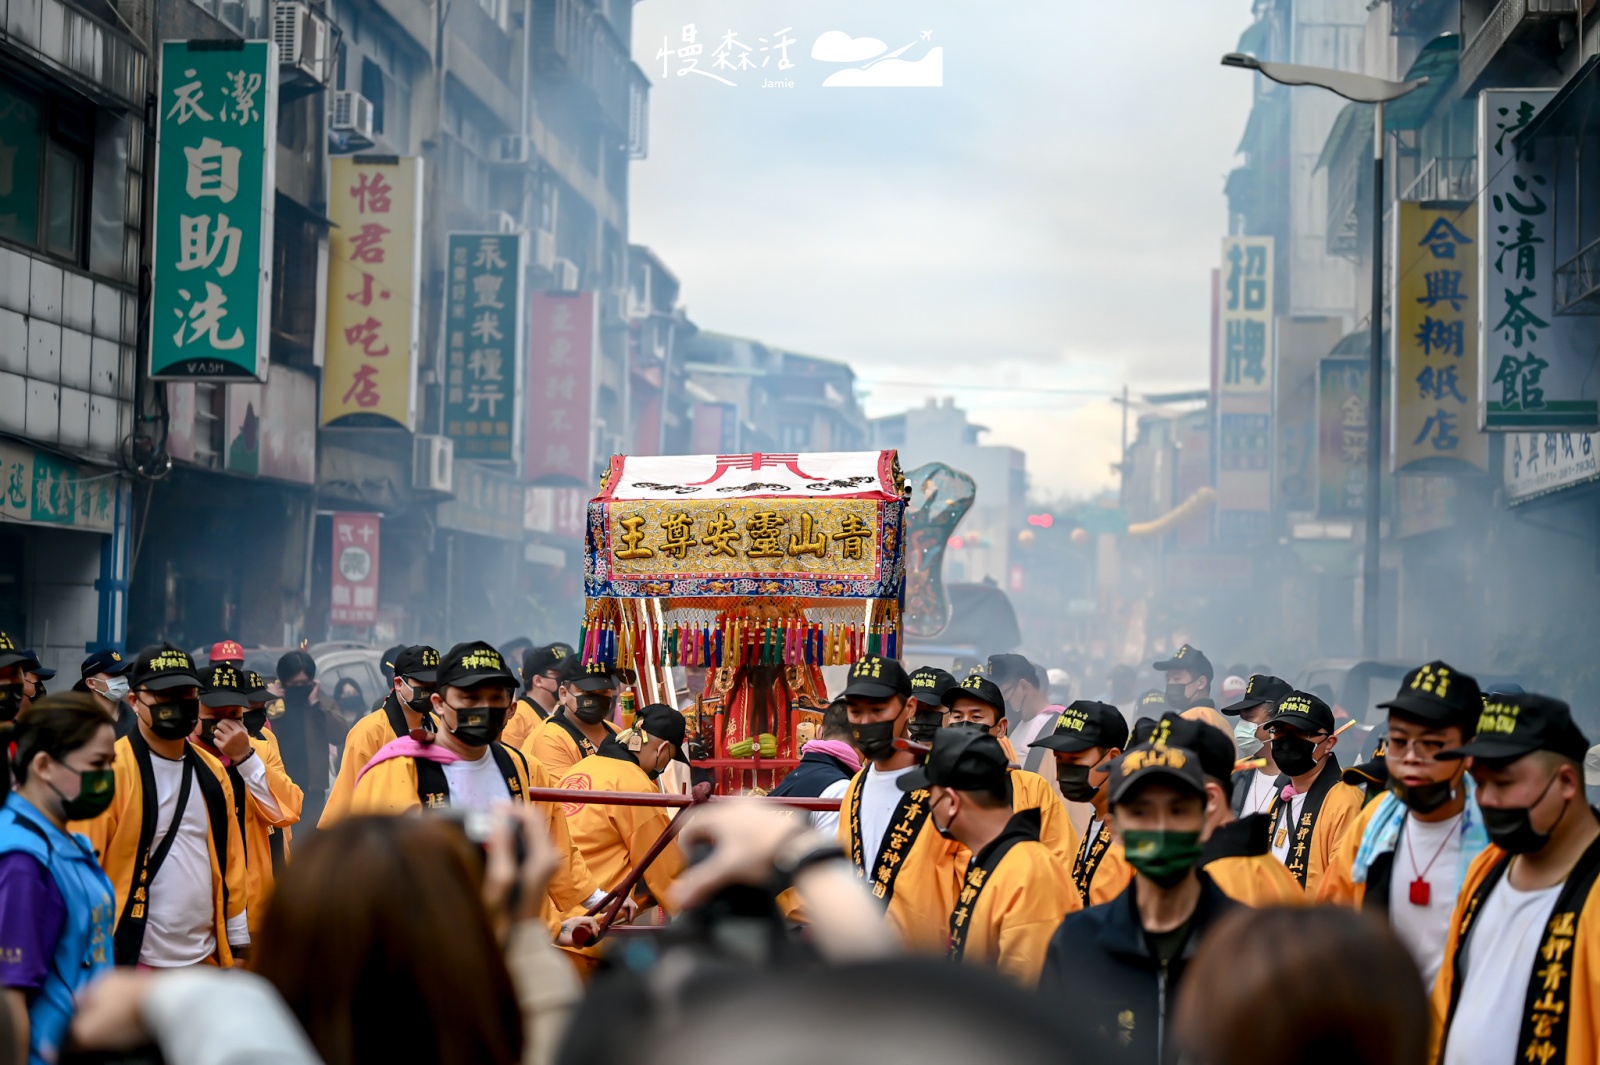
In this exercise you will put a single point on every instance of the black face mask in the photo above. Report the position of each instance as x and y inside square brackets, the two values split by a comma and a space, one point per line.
[944, 829]
[1425, 798]
[476, 726]
[10, 702]
[208, 732]
[875, 739]
[1295, 755]
[1177, 697]
[591, 709]
[255, 721]
[174, 720]
[1511, 827]
[1074, 781]
[923, 724]
[421, 701]
[297, 694]
[351, 703]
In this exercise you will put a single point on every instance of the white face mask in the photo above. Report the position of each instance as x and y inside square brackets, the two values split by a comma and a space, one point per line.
[117, 689]
[1244, 737]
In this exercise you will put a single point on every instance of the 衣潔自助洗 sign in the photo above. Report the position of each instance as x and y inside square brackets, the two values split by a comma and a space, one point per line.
[483, 341]
[1538, 367]
[369, 373]
[1435, 340]
[216, 115]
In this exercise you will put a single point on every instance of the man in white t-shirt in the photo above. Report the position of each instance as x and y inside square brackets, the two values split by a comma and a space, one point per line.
[1518, 978]
[1409, 850]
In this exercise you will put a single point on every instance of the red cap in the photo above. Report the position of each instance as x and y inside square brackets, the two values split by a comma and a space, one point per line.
[226, 651]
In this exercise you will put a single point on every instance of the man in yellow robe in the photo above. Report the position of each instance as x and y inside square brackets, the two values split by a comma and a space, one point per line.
[581, 725]
[406, 709]
[1087, 737]
[541, 683]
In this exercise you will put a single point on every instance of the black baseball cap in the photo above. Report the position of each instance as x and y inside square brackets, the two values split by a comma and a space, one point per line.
[162, 666]
[1210, 744]
[877, 677]
[1003, 669]
[419, 662]
[589, 676]
[664, 723]
[1150, 762]
[1303, 711]
[1153, 700]
[962, 758]
[1085, 724]
[32, 665]
[9, 655]
[544, 659]
[109, 662]
[977, 686]
[1259, 689]
[255, 688]
[1186, 657]
[225, 684]
[1514, 725]
[929, 684]
[1373, 768]
[1438, 694]
[467, 665]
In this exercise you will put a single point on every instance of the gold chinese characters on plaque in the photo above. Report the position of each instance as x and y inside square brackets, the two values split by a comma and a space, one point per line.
[745, 537]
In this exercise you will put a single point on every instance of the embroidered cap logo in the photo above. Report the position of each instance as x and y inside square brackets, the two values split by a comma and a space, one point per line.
[1499, 717]
[1431, 680]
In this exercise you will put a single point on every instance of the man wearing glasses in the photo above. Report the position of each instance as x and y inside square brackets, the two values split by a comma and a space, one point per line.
[1315, 810]
[1407, 854]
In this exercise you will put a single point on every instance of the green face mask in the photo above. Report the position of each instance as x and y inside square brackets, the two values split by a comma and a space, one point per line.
[1161, 856]
[96, 789]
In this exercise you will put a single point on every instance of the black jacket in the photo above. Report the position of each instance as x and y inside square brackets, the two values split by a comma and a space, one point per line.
[812, 776]
[1102, 975]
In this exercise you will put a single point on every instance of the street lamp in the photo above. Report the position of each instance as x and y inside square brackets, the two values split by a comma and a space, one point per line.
[1362, 89]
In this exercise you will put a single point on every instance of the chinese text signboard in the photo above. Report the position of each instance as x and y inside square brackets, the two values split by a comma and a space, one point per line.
[369, 374]
[483, 339]
[1537, 464]
[1344, 421]
[216, 122]
[1244, 376]
[41, 489]
[355, 568]
[1536, 371]
[560, 397]
[1435, 343]
[487, 502]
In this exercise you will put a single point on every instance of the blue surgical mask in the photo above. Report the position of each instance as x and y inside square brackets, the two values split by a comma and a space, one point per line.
[1244, 737]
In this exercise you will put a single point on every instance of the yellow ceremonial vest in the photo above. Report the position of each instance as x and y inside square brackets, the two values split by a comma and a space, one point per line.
[1333, 821]
[1556, 1003]
[1336, 888]
[1099, 869]
[259, 827]
[520, 723]
[613, 839]
[114, 835]
[552, 744]
[1030, 791]
[1256, 880]
[916, 869]
[1017, 910]
[366, 737]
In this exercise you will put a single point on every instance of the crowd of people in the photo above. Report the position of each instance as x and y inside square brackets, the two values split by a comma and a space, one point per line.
[979, 869]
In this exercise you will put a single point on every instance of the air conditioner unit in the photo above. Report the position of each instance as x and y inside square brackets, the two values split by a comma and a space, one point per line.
[351, 115]
[301, 35]
[564, 276]
[432, 463]
[544, 249]
[504, 222]
[512, 149]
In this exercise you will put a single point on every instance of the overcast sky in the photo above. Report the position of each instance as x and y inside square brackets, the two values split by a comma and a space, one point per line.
[1044, 222]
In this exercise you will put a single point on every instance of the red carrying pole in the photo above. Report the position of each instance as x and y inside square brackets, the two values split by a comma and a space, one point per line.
[611, 905]
[656, 798]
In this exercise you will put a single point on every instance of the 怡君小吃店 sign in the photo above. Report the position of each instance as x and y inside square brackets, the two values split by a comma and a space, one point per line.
[560, 397]
[216, 120]
[483, 339]
[355, 568]
[1537, 366]
[369, 373]
[1435, 340]
[1537, 464]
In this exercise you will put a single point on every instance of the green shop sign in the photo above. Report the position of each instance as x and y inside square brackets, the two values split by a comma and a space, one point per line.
[217, 117]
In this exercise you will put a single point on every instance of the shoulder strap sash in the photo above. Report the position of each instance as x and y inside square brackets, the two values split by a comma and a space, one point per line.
[1089, 858]
[904, 824]
[1299, 857]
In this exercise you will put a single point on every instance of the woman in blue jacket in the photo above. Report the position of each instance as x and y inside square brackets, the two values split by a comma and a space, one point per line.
[57, 908]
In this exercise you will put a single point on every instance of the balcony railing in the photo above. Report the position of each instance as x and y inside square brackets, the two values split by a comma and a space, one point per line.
[1508, 20]
[1578, 282]
[1444, 178]
[102, 61]
[576, 39]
